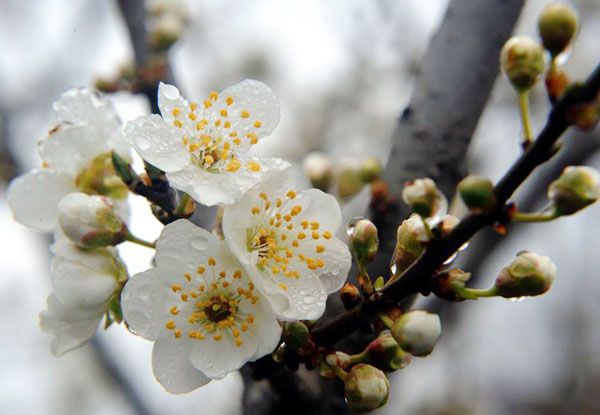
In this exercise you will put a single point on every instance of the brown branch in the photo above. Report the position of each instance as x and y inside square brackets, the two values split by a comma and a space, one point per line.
[416, 278]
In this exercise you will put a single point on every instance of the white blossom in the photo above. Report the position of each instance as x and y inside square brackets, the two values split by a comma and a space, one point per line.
[83, 282]
[286, 240]
[417, 332]
[200, 309]
[76, 157]
[204, 148]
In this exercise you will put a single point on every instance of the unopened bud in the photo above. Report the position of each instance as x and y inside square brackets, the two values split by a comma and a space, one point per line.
[557, 25]
[386, 354]
[339, 359]
[522, 60]
[557, 82]
[362, 239]
[424, 197]
[349, 295]
[527, 275]
[370, 170]
[90, 221]
[318, 168]
[296, 335]
[411, 240]
[444, 285]
[166, 31]
[417, 332]
[366, 388]
[349, 182]
[447, 224]
[576, 188]
[477, 193]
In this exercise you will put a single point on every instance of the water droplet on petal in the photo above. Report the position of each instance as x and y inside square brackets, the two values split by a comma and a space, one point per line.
[199, 243]
[352, 224]
[517, 299]
[143, 143]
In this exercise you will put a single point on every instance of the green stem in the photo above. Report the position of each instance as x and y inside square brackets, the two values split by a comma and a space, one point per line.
[387, 321]
[475, 293]
[182, 204]
[427, 228]
[524, 110]
[134, 239]
[534, 217]
[358, 358]
[340, 373]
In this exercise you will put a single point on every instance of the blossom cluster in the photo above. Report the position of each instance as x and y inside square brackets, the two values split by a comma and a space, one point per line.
[212, 301]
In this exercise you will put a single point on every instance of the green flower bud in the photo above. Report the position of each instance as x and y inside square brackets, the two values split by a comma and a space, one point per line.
[362, 239]
[445, 283]
[522, 60]
[349, 182]
[366, 388]
[576, 188]
[386, 354]
[477, 193]
[527, 275]
[417, 332]
[411, 240]
[296, 335]
[424, 197]
[100, 178]
[318, 168]
[370, 170]
[89, 221]
[557, 25]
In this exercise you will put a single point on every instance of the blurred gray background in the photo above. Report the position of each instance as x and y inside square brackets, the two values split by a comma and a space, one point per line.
[343, 71]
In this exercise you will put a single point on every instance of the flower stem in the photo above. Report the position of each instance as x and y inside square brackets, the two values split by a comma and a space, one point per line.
[134, 239]
[340, 373]
[524, 110]
[182, 204]
[475, 293]
[534, 217]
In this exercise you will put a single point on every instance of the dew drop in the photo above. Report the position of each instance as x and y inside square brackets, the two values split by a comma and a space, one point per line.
[309, 300]
[352, 224]
[517, 299]
[143, 143]
[451, 259]
[393, 268]
[199, 243]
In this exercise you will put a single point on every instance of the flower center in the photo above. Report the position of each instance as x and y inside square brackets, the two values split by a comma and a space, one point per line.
[215, 137]
[100, 179]
[208, 304]
[284, 243]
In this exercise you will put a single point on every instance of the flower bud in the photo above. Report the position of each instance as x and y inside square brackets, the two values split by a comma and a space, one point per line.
[447, 224]
[411, 240]
[385, 353]
[89, 221]
[424, 197]
[370, 170]
[167, 29]
[317, 167]
[522, 60]
[557, 82]
[349, 182]
[349, 295]
[527, 275]
[102, 179]
[417, 332]
[340, 359]
[362, 239]
[296, 335]
[557, 24]
[445, 283]
[366, 388]
[477, 193]
[576, 188]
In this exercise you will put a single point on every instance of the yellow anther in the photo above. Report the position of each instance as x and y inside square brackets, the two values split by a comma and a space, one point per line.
[263, 196]
[222, 274]
[201, 288]
[250, 318]
[176, 287]
[194, 146]
[227, 124]
[233, 166]
[188, 276]
[291, 194]
[255, 210]
[193, 106]
[275, 270]
[283, 237]
[244, 326]
[295, 244]
[253, 166]
[225, 284]
[170, 325]
[207, 104]
[296, 210]
[199, 126]
[223, 112]
[244, 114]
[237, 141]
[208, 160]
[177, 123]
[301, 235]
[184, 297]
[315, 235]
[319, 249]
[257, 124]
[174, 310]
[238, 342]
[217, 122]
[326, 235]
[212, 261]
[229, 100]
[213, 95]
[45, 164]
[218, 337]
[278, 203]
[200, 270]
[237, 275]
[192, 116]
[175, 112]
[177, 333]
[304, 224]
[290, 226]
[283, 286]
[253, 138]
[314, 225]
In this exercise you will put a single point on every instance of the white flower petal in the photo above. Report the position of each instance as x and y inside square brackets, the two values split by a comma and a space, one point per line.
[338, 261]
[72, 327]
[320, 207]
[169, 98]
[142, 303]
[217, 358]
[158, 142]
[172, 367]
[34, 196]
[184, 246]
[258, 100]
[82, 106]
[76, 284]
[266, 331]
